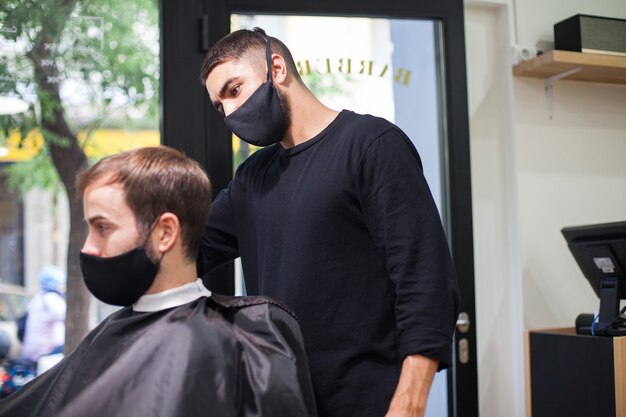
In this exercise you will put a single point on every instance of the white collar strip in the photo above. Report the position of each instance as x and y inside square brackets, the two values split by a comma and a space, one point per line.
[172, 298]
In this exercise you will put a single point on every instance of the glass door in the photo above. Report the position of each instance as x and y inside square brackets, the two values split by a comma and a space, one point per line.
[385, 67]
[393, 71]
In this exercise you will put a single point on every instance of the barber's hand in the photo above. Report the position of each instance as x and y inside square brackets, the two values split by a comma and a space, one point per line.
[411, 394]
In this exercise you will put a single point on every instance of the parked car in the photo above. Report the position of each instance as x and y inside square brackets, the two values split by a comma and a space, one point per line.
[13, 303]
[13, 374]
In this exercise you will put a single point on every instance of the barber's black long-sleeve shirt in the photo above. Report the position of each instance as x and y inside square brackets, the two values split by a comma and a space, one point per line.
[343, 229]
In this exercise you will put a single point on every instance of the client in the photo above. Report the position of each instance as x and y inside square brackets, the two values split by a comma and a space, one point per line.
[175, 349]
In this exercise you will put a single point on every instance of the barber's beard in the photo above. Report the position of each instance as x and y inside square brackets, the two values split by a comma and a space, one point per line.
[286, 108]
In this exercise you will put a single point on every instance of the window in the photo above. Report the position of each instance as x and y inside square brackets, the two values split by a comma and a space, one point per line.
[78, 81]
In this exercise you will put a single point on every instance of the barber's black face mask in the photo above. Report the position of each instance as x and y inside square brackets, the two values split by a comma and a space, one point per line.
[119, 280]
[260, 120]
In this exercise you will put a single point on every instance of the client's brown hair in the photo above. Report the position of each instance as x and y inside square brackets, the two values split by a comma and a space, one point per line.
[158, 180]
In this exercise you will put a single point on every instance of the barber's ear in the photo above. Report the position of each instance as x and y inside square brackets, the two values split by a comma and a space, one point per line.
[167, 232]
[279, 68]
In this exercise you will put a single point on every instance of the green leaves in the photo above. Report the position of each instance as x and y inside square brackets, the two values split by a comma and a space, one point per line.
[92, 63]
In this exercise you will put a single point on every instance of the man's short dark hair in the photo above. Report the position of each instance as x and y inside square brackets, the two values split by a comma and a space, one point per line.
[158, 180]
[248, 45]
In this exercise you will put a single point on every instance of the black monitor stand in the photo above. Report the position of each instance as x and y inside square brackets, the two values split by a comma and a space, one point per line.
[609, 302]
[608, 321]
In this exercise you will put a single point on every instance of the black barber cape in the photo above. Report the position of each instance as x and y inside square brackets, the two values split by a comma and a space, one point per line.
[216, 356]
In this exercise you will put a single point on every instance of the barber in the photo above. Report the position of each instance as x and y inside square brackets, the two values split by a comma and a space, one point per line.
[333, 217]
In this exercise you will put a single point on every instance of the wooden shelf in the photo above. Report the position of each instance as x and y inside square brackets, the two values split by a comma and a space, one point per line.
[590, 67]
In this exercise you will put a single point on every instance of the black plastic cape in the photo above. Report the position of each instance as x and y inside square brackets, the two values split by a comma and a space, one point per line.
[217, 356]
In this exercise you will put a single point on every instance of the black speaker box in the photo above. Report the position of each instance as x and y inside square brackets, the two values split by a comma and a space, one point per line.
[594, 34]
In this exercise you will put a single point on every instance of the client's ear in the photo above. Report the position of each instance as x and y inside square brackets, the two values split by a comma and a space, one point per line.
[167, 232]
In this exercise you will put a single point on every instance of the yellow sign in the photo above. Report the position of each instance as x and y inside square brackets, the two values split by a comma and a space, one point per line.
[100, 143]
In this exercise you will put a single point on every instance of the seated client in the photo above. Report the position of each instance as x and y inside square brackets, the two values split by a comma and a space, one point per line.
[176, 349]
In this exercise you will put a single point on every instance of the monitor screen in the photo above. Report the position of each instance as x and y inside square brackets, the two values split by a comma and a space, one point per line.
[600, 252]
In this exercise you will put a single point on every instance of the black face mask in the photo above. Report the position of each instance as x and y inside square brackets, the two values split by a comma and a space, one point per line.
[260, 120]
[119, 280]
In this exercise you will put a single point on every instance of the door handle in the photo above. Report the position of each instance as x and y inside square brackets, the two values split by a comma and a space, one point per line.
[463, 323]
[463, 326]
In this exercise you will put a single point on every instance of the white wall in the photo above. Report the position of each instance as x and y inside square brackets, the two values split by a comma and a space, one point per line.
[571, 171]
[531, 176]
[494, 195]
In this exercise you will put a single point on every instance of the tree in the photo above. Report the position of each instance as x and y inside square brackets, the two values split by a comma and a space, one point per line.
[81, 64]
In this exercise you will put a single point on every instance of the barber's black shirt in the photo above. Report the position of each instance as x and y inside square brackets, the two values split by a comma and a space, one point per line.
[344, 230]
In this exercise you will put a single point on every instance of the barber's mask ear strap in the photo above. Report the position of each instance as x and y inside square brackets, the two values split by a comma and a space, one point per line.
[268, 56]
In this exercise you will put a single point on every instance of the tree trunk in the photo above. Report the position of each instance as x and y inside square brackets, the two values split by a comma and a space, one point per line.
[69, 160]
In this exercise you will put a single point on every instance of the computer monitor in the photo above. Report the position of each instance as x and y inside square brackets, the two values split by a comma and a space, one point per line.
[600, 252]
